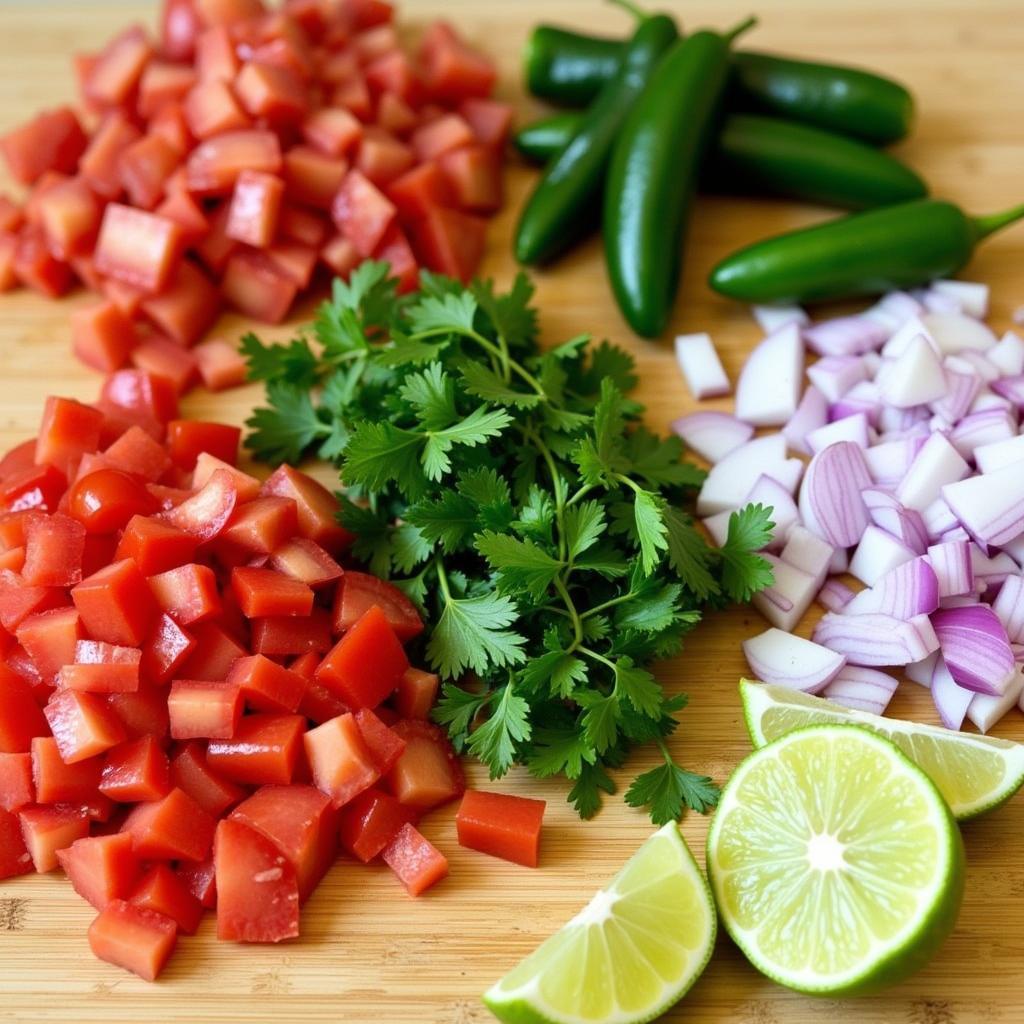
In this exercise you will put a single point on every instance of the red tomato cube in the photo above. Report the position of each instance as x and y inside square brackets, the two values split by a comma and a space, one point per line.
[137, 453]
[150, 396]
[68, 430]
[102, 336]
[188, 439]
[145, 166]
[501, 825]
[257, 890]
[82, 724]
[416, 693]
[174, 827]
[180, 24]
[15, 858]
[296, 261]
[382, 157]
[301, 822]
[214, 165]
[312, 177]
[306, 561]
[116, 74]
[163, 83]
[366, 663]
[211, 108]
[38, 487]
[418, 191]
[144, 712]
[221, 365]
[214, 653]
[451, 70]
[317, 508]
[99, 163]
[428, 773]
[359, 591]
[101, 868]
[271, 93]
[341, 763]
[264, 750]
[187, 214]
[248, 487]
[46, 830]
[208, 511]
[267, 686]
[135, 938]
[436, 137]
[215, 52]
[384, 744]
[16, 787]
[58, 783]
[18, 600]
[474, 174]
[8, 255]
[53, 551]
[339, 255]
[116, 604]
[188, 594]
[449, 242]
[155, 546]
[293, 634]
[200, 709]
[137, 247]
[50, 639]
[490, 120]
[370, 821]
[200, 880]
[191, 772]
[253, 285]
[332, 130]
[36, 267]
[21, 718]
[164, 892]
[70, 216]
[51, 141]
[254, 210]
[395, 250]
[186, 307]
[395, 114]
[362, 212]
[298, 224]
[136, 771]
[165, 358]
[263, 592]
[416, 861]
[102, 668]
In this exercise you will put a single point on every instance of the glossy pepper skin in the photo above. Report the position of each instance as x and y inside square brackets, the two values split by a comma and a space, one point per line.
[567, 198]
[861, 254]
[653, 172]
[570, 68]
[757, 155]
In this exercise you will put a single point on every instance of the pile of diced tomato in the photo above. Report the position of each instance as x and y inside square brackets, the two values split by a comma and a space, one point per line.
[232, 158]
[198, 703]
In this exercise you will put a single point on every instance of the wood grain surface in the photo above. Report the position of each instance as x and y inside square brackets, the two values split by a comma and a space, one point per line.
[368, 953]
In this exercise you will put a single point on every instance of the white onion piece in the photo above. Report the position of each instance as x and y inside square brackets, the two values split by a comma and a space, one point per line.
[830, 499]
[771, 318]
[877, 554]
[833, 376]
[954, 332]
[889, 461]
[914, 377]
[864, 689]
[990, 457]
[894, 309]
[905, 591]
[951, 700]
[786, 601]
[731, 478]
[920, 672]
[872, 361]
[768, 389]
[1011, 388]
[970, 361]
[787, 660]
[971, 296]
[905, 524]
[975, 648]
[839, 562]
[877, 640]
[861, 398]
[937, 463]
[835, 595]
[849, 428]
[712, 435]
[1009, 608]
[957, 534]
[936, 302]
[845, 336]
[1015, 549]
[771, 493]
[788, 473]
[960, 601]
[808, 552]
[1007, 355]
[986, 426]
[990, 570]
[938, 519]
[718, 526]
[990, 400]
[811, 413]
[984, 710]
[951, 562]
[911, 328]
[703, 370]
[991, 506]
[961, 390]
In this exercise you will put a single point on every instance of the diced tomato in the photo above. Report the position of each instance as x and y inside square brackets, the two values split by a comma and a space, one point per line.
[340, 256]
[319, 703]
[364, 14]
[395, 115]
[214, 653]
[298, 224]
[140, 392]
[155, 545]
[362, 212]
[200, 710]
[267, 686]
[313, 177]
[68, 430]
[8, 253]
[100, 868]
[211, 109]
[102, 668]
[332, 130]
[83, 725]
[16, 787]
[116, 604]
[271, 93]
[301, 823]
[474, 174]
[215, 54]
[102, 336]
[366, 663]
[208, 511]
[20, 717]
[53, 551]
[135, 938]
[264, 592]
[206, 465]
[375, 42]
[120, 65]
[384, 744]
[99, 163]
[187, 439]
[200, 881]
[221, 365]
[382, 157]
[306, 561]
[188, 593]
[392, 72]
[69, 213]
[106, 500]
[428, 772]
[143, 712]
[18, 600]
[36, 267]
[125, 297]
[51, 141]
[165, 358]
[418, 191]
[501, 825]
[181, 208]
[289, 52]
[14, 857]
[259, 527]
[358, 592]
[451, 70]
[416, 861]
[292, 634]
[161, 890]
[48, 829]
[163, 82]
[255, 287]
[172, 828]
[39, 488]
[214, 165]
[145, 166]
[50, 638]
[21, 456]
[449, 242]
[441, 136]
[264, 750]
[136, 771]
[257, 889]
[254, 210]
[490, 120]
[354, 94]
[59, 783]
[339, 759]
[370, 821]
[137, 247]
[169, 124]
[99, 551]
[338, 64]
[186, 307]
[180, 25]
[416, 693]
[191, 772]
[395, 250]
[317, 508]
[11, 215]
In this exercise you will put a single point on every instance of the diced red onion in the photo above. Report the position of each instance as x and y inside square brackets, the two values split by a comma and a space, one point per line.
[935, 302]
[961, 390]
[951, 562]
[786, 601]
[914, 377]
[770, 493]
[990, 570]
[768, 389]
[830, 500]
[979, 428]
[1010, 388]
[811, 413]
[845, 336]
[877, 554]
[990, 400]
[908, 590]
[990, 457]
[970, 296]
[861, 398]
[772, 318]
[863, 689]
[718, 526]
[1007, 355]
[890, 418]
[911, 328]
[937, 463]
[953, 332]
[877, 640]
[833, 376]
[850, 428]
[730, 479]
[893, 309]
[888, 462]
[905, 524]
[920, 672]
[1009, 608]
[835, 595]
[787, 660]
[1015, 549]
[970, 361]
[985, 710]
[839, 562]
[712, 435]
[938, 519]
[808, 552]
[703, 370]
[975, 648]
[951, 700]
[991, 506]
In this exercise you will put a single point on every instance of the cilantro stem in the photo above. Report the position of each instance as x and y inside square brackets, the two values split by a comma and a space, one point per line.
[442, 578]
[611, 603]
[632, 484]
[574, 615]
[597, 657]
[581, 493]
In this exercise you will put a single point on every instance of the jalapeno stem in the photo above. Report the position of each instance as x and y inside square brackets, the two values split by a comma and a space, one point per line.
[993, 222]
[742, 27]
[632, 8]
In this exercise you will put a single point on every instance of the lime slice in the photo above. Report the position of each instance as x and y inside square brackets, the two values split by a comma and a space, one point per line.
[974, 773]
[834, 860]
[628, 955]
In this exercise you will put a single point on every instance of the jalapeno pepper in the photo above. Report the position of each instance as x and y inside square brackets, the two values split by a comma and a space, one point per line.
[766, 155]
[861, 254]
[567, 67]
[566, 200]
[654, 169]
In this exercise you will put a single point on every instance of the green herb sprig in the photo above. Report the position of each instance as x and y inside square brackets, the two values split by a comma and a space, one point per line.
[516, 497]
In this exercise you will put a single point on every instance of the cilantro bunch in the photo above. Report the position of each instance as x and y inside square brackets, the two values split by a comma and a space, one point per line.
[516, 497]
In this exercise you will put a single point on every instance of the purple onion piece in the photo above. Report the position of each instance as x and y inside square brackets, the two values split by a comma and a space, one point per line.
[712, 435]
[951, 562]
[951, 700]
[845, 336]
[1009, 608]
[863, 689]
[835, 595]
[778, 657]
[909, 590]
[877, 640]
[830, 499]
[975, 648]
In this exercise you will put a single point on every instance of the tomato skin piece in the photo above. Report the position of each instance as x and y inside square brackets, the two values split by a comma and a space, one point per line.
[135, 938]
[58, 783]
[248, 487]
[359, 591]
[366, 663]
[428, 773]
[316, 507]
[501, 825]
[51, 141]
[384, 744]
[267, 686]
[188, 439]
[265, 750]
[369, 821]
[136, 771]
[341, 763]
[137, 247]
[82, 724]
[306, 561]
[174, 827]
[257, 891]
[50, 639]
[264, 592]
[46, 830]
[200, 880]
[17, 789]
[203, 710]
[208, 511]
[161, 890]
[104, 501]
[100, 868]
[116, 604]
[416, 861]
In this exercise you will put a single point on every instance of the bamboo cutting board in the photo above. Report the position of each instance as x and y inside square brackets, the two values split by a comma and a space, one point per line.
[368, 952]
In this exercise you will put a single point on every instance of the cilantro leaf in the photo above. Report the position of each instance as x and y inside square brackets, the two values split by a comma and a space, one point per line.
[293, 363]
[495, 741]
[457, 708]
[560, 752]
[473, 633]
[449, 520]
[639, 687]
[585, 794]
[432, 394]
[521, 565]
[285, 430]
[689, 555]
[380, 453]
[583, 524]
[651, 531]
[667, 789]
[451, 313]
[600, 718]
[483, 382]
[743, 571]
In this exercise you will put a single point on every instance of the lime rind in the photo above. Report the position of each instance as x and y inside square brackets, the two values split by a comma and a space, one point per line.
[654, 922]
[887, 960]
[975, 773]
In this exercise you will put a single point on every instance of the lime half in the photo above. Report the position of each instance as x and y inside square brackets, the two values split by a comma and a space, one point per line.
[835, 862]
[974, 773]
[628, 955]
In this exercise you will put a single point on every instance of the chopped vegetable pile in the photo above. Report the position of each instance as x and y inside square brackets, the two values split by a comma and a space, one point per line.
[516, 497]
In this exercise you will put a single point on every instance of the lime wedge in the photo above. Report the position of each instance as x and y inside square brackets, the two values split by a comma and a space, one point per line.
[628, 955]
[834, 860]
[974, 773]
